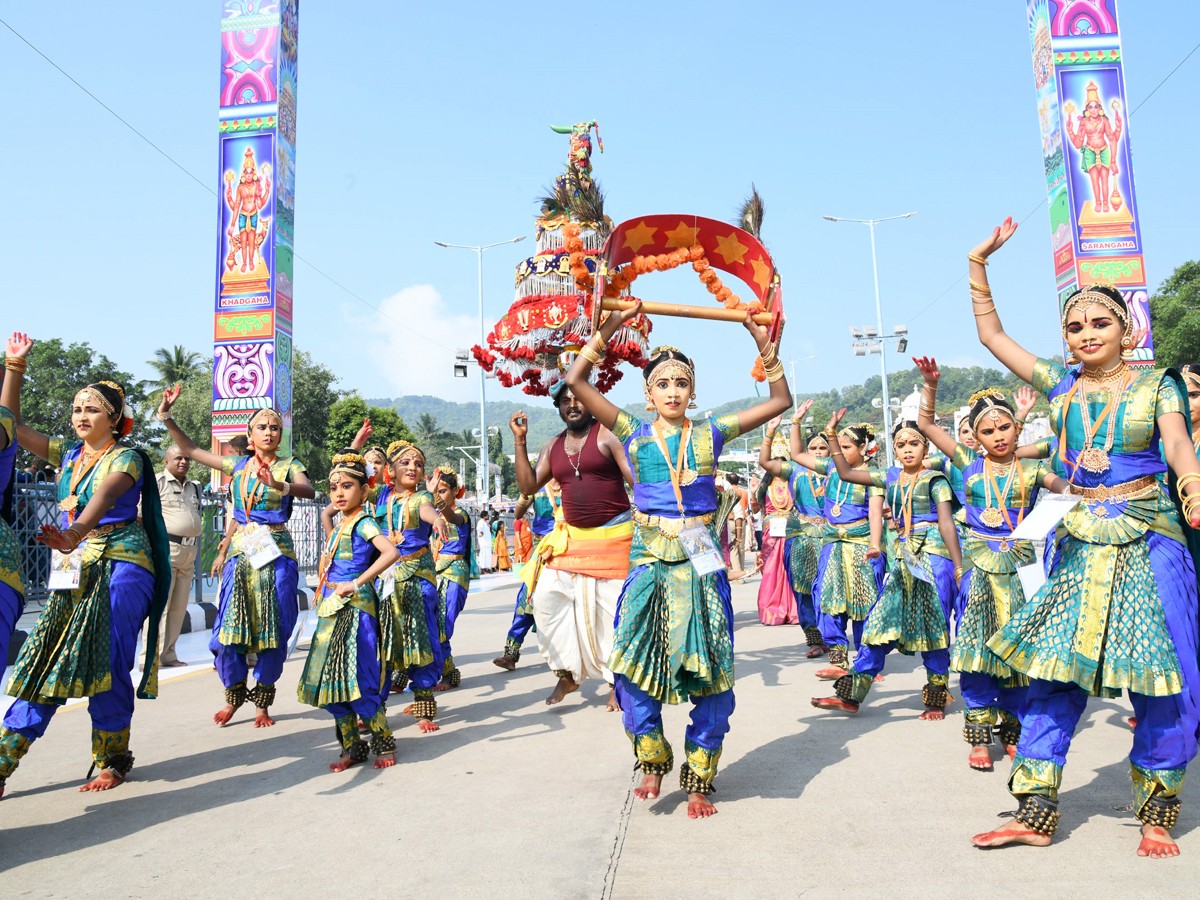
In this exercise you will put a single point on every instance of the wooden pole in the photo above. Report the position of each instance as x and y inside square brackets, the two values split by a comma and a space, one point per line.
[683, 311]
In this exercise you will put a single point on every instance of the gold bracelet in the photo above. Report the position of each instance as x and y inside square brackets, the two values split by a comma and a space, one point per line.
[768, 436]
[597, 342]
[976, 286]
[774, 372]
[74, 532]
[15, 364]
[591, 355]
[987, 312]
[974, 257]
[1184, 480]
[958, 573]
[770, 355]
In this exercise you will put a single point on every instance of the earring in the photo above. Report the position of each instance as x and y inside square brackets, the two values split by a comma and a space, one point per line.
[692, 403]
[1128, 353]
[1072, 359]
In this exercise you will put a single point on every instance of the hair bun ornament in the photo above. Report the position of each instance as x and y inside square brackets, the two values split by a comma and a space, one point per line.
[126, 428]
[993, 393]
[370, 466]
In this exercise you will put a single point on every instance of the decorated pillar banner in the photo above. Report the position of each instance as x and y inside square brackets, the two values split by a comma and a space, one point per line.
[252, 320]
[1080, 84]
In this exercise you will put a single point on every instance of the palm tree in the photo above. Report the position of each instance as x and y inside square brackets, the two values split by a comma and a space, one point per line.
[427, 427]
[171, 366]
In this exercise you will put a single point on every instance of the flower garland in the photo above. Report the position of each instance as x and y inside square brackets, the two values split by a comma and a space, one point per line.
[620, 279]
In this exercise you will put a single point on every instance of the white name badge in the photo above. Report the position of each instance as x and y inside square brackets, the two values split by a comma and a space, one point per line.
[65, 570]
[388, 582]
[702, 550]
[259, 547]
[916, 568]
[778, 527]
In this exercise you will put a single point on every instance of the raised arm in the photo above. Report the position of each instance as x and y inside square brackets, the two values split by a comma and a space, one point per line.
[847, 474]
[764, 452]
[992, 335]
[186, 445]
[529, 480]
[780, 397]
[16, 358]
[927, 366]
[803, 457]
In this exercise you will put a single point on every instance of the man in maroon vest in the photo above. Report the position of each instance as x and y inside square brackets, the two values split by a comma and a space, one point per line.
[576, 575]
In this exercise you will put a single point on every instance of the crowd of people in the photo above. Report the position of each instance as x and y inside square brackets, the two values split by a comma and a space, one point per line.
[632, 537]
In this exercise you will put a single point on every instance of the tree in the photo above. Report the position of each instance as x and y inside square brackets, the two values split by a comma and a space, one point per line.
[57, 372]
[173, 366]
[1175, 317]
[346, 416]
[426, 428]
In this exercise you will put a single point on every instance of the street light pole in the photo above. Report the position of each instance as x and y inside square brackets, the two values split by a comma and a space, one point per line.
[483, 432]
[887, 397]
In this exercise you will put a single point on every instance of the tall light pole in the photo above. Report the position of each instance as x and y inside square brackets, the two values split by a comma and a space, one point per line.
[483, 432]
[887, 410]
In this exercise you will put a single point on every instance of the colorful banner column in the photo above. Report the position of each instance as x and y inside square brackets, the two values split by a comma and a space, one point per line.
[252, 321]
[1095, 233]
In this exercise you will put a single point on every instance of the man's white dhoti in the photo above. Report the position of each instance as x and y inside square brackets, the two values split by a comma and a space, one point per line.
[574, 616]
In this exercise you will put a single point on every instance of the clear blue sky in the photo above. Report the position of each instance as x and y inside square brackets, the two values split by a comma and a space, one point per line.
[423, 122]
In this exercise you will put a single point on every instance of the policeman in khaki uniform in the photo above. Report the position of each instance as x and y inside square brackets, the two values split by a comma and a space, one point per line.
[181, 513]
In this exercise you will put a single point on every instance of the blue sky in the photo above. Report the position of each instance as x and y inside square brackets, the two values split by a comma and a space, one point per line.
[424, 122]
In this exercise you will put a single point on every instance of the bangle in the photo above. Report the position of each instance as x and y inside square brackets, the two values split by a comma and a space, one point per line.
[286, 490]
[976, 286]
[74, 532]
[958, 573]
[591, 355]
[874, 547]
[597, 342]
[975, 257]
[163, 416]
[987, 312]
[774, 372]
[15, 363]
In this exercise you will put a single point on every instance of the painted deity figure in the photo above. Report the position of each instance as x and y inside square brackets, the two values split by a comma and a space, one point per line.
[579, 156]
[1096, 138]
[246, 201]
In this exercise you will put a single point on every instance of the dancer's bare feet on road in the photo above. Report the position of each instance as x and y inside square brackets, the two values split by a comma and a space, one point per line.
[109, 779]
[223, 716]
[1157, 843]
[649, 788]
[385, 760]
[833, 673]
[933, 714]
[428, 725]
[566, 685]
[343, 763]
[980, 759]
[835, 704]
[1012, 833]
[700, 807]
[612, 705]
[504, 662]
[262, 718]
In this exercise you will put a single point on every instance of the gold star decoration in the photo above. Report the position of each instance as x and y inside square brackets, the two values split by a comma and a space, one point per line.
[639, 236]
[730, 249]
[762, 274]
[682, 235]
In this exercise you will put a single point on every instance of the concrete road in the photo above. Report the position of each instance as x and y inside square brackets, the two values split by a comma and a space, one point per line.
[514, 799]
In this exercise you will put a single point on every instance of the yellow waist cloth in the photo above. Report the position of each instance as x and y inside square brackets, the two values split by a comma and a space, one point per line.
[596, 552]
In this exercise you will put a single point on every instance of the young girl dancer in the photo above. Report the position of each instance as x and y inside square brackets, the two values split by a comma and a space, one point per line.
[913, 613]
[453, 563]
[999, 490]
[344, 671]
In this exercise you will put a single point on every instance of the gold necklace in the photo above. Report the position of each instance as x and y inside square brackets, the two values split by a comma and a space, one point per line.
[838, 499]
[574, 463]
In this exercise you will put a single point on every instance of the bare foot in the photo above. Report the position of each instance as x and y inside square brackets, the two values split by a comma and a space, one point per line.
[428, 725]
[814, 652]
[343, 763]
[385, 760]
[612, 705]
[980, 759]
[1157, 843]
[834, 704]
[566, 685]
[1132, 721]
[1011, 751]
[880, 677]
[262, 718]
[108, 779]
[441, 686]
[222, 718]
[933, 714]
[833, 673]
[649, 788]
[504, 662]
[699, 807]
[1012, 833]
